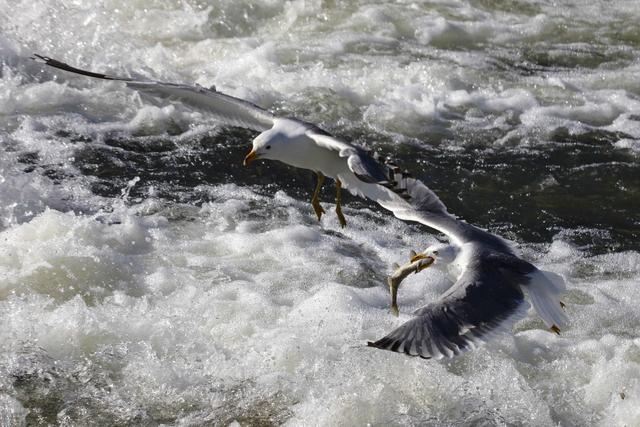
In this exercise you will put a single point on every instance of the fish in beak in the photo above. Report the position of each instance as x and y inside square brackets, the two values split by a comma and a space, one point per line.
[401, 272]
[250, 158]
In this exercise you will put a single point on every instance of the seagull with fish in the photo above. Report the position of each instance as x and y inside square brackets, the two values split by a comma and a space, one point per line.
[490, 279]
[486, 298]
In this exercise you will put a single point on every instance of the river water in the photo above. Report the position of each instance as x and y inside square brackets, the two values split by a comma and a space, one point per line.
[147, 278]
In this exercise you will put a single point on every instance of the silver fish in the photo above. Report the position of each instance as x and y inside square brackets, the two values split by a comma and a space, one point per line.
[400, 273]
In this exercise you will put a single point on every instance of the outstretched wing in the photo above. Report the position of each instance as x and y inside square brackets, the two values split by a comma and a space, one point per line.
[368, 167]
[225, 108]
[395, 189]
[483, 302]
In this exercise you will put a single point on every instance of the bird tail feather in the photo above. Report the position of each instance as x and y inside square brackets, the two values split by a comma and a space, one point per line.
[544, 289]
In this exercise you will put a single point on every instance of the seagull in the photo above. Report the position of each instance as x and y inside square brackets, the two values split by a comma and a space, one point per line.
[487, 296]
[490, 278]
[289, 140]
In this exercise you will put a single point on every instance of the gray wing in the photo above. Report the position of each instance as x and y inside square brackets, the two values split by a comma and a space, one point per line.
[481, 303]
[369, 167]
[398, 191]
[225, 108]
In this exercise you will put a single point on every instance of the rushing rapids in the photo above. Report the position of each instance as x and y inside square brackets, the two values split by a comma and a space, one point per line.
[147, 278]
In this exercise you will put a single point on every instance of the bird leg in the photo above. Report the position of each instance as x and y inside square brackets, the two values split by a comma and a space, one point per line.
[343, 222]
[314, 200]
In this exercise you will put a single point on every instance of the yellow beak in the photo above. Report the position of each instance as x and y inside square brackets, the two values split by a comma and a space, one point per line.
[416, 257]
[250, 158]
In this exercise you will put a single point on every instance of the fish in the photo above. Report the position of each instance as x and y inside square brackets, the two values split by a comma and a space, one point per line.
[400, 273]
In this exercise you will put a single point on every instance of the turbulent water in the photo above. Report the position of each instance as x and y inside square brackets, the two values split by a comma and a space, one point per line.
[147, 278]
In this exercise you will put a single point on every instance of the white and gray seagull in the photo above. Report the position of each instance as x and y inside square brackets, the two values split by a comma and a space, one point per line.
[485, 299]
[487, 295]
[292, 141]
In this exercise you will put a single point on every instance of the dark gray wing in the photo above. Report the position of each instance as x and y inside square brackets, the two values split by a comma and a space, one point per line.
[481, 303]
[372, 168]
[368, 168]
[225, 108]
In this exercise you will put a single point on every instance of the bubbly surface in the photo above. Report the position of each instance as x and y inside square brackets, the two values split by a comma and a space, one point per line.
[147, 278]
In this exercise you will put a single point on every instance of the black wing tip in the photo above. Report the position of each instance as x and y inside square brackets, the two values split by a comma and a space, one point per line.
[40, 58]
[49, 61]
[392, 178]
[382, 346]
[381, 343]
[66, 67]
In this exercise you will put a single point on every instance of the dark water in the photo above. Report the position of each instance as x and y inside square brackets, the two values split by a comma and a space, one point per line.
[580, 186]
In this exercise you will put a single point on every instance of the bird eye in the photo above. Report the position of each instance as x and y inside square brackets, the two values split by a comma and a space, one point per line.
[268, 147]
[435, 252]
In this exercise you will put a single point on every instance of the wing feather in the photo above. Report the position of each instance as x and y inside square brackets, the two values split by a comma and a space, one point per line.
[225, 108]
[395, 189]
[482, 303]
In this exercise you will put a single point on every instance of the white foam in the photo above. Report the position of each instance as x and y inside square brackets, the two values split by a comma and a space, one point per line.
[233, 305]
[12, 413]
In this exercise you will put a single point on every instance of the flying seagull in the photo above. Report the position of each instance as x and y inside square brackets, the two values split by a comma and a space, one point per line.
[292, 141]
[486, 298]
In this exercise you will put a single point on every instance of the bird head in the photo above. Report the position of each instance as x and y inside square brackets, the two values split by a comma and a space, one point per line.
[441, 254]
[268, 145]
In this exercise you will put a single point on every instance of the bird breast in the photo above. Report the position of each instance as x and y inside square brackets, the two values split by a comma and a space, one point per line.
[309, 155]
